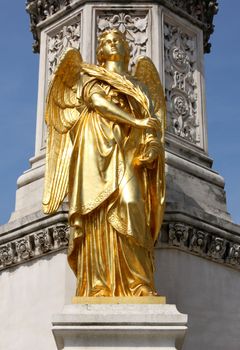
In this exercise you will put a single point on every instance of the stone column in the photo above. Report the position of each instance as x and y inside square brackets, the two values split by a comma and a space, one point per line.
[198, 253]
[175, 35]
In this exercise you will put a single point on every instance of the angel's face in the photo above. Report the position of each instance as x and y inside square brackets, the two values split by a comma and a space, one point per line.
[113, 48]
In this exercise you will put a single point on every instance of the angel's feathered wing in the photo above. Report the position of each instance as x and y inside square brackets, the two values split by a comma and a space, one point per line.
[146, 72]
[61, 114]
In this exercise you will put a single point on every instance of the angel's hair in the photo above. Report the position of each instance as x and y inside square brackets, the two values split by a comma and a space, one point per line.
[101, 41]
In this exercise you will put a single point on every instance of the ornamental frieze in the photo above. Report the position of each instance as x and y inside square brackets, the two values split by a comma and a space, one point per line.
[199, 12]
[201, 243]
[176, 235]
[34, 245]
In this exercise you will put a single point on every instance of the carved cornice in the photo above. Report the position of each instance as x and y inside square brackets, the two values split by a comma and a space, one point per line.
[179, 235]
[34, 245]
[202, 243]
[199, 12]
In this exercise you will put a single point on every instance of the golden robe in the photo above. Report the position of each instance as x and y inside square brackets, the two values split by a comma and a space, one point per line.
[115, 206]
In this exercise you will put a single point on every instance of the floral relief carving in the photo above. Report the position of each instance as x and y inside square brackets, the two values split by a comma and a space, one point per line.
[133, 23]
[180, 82]
[200, 12]
[68, 36]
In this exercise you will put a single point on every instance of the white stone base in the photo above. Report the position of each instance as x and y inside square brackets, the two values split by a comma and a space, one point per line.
[119, 326]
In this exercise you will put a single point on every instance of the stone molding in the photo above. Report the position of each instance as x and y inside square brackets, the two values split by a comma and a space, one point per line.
[203, 243]
[219, 246]
[34, 245]
[199, 12]
[119, 326]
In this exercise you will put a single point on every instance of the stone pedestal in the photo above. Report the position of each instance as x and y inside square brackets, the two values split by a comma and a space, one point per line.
[119, 326]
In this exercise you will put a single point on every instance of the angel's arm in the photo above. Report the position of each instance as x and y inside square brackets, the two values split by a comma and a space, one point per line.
[111, 111]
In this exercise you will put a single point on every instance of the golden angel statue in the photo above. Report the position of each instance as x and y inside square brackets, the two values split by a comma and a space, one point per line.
[105, 150]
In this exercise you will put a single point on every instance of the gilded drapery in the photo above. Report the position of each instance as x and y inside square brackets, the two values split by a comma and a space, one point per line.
[116, 206]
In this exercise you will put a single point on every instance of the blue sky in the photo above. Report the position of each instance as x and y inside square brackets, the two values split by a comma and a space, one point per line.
[18, 100]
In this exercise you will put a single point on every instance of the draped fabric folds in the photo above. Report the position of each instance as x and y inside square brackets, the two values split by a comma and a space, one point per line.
[116, 207]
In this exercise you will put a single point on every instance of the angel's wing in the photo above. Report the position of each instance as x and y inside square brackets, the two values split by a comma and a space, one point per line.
[61, 114]
[146, 72]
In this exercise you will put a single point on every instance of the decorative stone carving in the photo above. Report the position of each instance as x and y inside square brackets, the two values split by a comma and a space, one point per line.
[180, 82]
[60, 236]
[6, 255]
[178, 234]
[175, 235]
[133, 23]
[68, 36]
[24, 249]
[198, 242]
[199, 12]
[39, 10]
[234, 254]
[34, 245]
[217, 248]
[43, 242]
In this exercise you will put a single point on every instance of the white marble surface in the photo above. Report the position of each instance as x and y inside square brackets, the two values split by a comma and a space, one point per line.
[29, 295]
[207, 292]
[111, 326]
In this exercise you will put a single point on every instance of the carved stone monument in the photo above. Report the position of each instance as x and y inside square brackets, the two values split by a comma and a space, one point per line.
[198, 252]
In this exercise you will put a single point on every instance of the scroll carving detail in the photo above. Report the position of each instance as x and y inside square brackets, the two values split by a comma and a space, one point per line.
[181, 84]
[68, 36]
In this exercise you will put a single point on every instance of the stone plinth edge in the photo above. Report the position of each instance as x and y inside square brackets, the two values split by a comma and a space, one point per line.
[120, 300]
[121, 326]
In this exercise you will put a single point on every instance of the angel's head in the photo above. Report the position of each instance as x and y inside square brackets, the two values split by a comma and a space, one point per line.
[113, 46]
